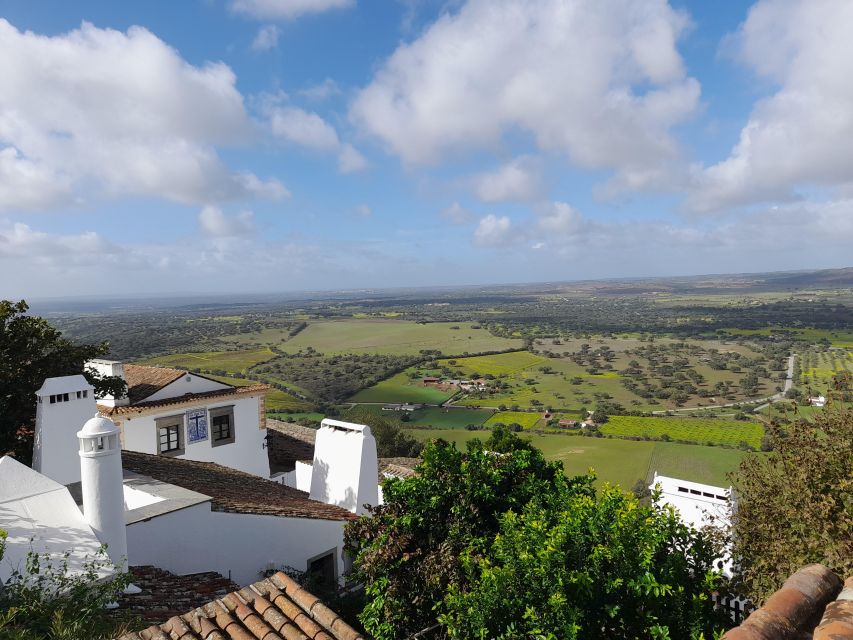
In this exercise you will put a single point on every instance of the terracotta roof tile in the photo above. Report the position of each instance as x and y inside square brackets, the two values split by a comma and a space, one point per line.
[795, 610]
[271, 609]
[231, 490]
[399, 467]
[188, 398]
[143, 380]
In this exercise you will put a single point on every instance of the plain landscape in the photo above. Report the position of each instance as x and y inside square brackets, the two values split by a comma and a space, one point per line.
[627, 378]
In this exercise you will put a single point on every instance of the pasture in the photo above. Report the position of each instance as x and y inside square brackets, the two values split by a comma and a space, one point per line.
[818, 366]
[435, 417]
[228, 361]
[621, 462]
[401, 388]
[700, 430]
[525, 419]
[382, 336]
[277, 400]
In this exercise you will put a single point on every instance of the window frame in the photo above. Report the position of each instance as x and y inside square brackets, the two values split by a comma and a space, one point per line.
[333, 552]
[167, 422]
[218, 412]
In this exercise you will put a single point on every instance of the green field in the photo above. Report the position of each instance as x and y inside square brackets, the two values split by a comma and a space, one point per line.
[228, 361]
[525, 419]
[620, 462]
[818, 366]
[449, 418]
[383, 336]
[701, 430]
[837, 338]
[400, 388]
[277, 400]
[497, 365]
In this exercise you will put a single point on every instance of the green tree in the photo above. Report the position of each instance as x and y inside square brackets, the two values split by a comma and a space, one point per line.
[441, 550]
[391, 440]
[795, 505]
[30, 351]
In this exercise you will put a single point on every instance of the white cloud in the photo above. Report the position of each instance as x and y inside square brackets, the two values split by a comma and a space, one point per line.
[801, 135]
[215, 223]
[602, 81]
[114, 114]
[266, 38]
[321, 91]
[364, 210]
[286, 9]
[559, 219]
[494, 231]
[518, 181]
[307, 129]
[457, 214]
[304, 128]
[18, 240]
[350, 159]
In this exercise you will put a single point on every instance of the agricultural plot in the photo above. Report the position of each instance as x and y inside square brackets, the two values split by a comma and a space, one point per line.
[214, 361]
[621, 462]
[525, 419]
[818, 367]
[699, 430]
[500, 364]
[277, 400]
[434, 417]
[401, 388]
[393, 337]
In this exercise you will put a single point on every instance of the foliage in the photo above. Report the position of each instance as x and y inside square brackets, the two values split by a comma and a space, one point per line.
[700, 430]
[391, 440]
[795, 506]
[30, 351]
[498, 542]
[46, 601]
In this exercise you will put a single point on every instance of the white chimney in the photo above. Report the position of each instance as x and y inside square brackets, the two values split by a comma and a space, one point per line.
[110, 368]
[63, 404]
[103, 485]
[345, 470]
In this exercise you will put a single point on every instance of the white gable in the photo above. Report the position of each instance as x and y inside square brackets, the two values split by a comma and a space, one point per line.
[188, 383]
[40, 515]
[64, 384]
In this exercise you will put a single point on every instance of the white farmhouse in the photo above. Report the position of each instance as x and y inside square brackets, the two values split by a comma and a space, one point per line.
[166, 412]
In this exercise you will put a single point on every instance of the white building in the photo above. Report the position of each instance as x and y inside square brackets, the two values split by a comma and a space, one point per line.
[165, 412]
[698, 505]
[817, 401]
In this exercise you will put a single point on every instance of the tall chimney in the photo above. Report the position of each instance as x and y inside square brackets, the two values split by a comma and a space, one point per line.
[63, 404]
[345, 470]
[103, 485]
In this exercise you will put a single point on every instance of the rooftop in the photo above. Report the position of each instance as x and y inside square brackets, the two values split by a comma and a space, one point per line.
[273, 608]
[143, 380]
[188, 398]
[231, 490]
[811, 604]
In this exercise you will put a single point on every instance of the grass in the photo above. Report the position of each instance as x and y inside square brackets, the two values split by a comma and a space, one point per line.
[400, 388]
[228, 361]
[701, 430]
[385, 336]
[526, 420]
[449, 418]
[497, 365]
[621, 462]
[837, 338]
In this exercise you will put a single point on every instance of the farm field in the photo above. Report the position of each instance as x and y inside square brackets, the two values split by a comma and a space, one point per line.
[837, 338]
[701, 430]
[382, 336]
[228, 361]
[621, 462]
[818, 366]
[435, 417]
[526, 420]
[400, 388]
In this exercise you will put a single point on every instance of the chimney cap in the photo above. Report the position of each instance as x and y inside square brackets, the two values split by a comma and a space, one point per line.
[98, 426]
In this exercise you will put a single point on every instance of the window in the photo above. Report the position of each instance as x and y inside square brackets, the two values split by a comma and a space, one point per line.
[82, 394]
[170, 435]
[322, 569]
[222, 425]
[59, 397]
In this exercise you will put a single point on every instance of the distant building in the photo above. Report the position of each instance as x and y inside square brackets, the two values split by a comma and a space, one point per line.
[431, 380]
[817, 401]
[569, 424]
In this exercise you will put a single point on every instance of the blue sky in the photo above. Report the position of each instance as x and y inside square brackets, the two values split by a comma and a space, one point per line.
[277, 145]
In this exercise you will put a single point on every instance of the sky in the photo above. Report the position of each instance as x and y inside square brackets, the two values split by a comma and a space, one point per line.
[247, 146]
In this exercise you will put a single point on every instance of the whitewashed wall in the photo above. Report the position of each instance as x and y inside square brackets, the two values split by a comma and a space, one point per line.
[246, 453]
[190, 383]
[237, 545]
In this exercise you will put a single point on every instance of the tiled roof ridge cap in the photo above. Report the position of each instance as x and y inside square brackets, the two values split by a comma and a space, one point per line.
[315, 607]
[188, 397]
[792, 610]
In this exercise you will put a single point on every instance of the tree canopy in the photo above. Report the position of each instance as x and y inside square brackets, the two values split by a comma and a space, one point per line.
[30, 351]
[497, 542]
[795, 506]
